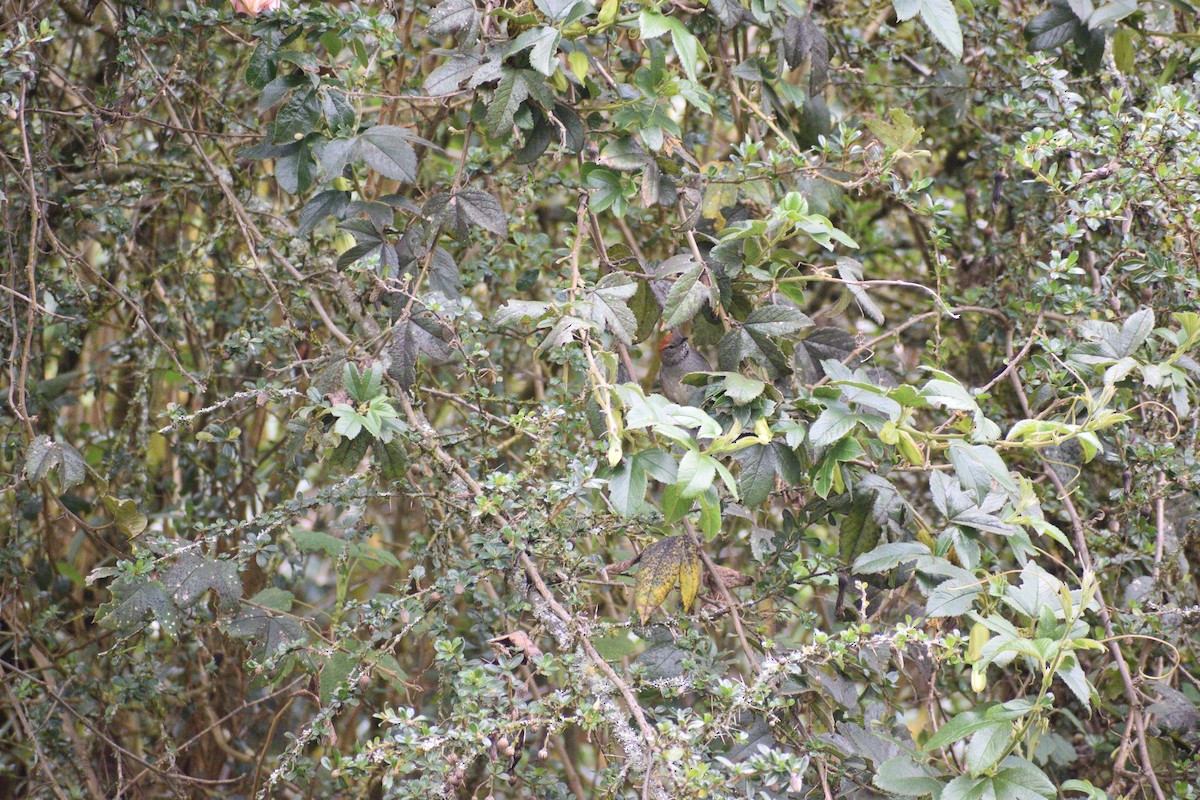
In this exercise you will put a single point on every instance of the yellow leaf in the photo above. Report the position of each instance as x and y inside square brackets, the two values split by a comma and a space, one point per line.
[690, 569]
[664, 564]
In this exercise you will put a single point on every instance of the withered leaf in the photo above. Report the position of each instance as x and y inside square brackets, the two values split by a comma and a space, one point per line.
[665, 564]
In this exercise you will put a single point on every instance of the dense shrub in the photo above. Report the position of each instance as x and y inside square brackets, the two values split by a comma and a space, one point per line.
[338, 466]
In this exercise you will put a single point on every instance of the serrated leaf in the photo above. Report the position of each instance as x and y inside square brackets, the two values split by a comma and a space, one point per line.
[859, 531]
[260, 69]
[135, 603]
[449, 76]
[483, 209]
[834, 423]
[955, 596]
[889, 556]
[760, 466]
[510, 93]
[298, 117]
[1134, 332]
[696, 473]
[1018, 779]
[777, 320]
[452, 16]
[980, 468]
[542, 44]
[321, 205]
[685, 298]
[609, 305]
[742, 390]
[900, 133]
[266, 628]
[192, 575]
[729, 12]
[1052, 28]
[59, 464]
[387, 149]
[350, 450]
[363, 385]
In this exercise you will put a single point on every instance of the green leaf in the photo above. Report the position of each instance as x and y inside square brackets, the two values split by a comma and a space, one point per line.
[269, 628]
[674, 506]
[1123, 52]
[828, 472]
[710, 513]
[901, 775]
[1053, 28]
[308, 541]
[859, 531]
[392, 459]
[544, 44]
[627, 487]
[510, 93]
[967, 788]
[980, 469]
[321, 205]
[901, 133]
[126, 517]
[192, 575]
[740, 389]
[988, 745]
[136, 602]
[334, 673]
[1018, 779]
[1136, 329]
[609, 306]
[364, 386]
[298, 117]
[777, 320]
[760, 466]
[954, 596]
[387, 149]
[481, 208]
[686, 297]
[834, 423]
[850, 269]
[696, 473]
[260, 69]
[889, 556]
[452, 16]
[59, 464]
[941, 19]
[959, 728]
[653, 24]
[449, 76]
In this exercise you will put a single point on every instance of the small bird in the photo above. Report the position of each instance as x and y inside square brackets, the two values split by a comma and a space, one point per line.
[677, 360]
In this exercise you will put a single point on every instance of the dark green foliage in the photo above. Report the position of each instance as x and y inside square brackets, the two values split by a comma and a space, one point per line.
[336, 463]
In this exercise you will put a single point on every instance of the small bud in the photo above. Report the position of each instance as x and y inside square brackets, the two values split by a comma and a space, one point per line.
[543, 754]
